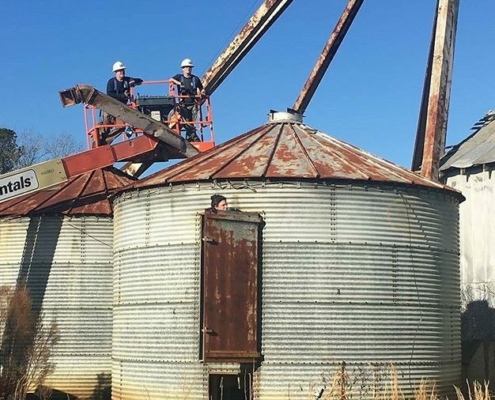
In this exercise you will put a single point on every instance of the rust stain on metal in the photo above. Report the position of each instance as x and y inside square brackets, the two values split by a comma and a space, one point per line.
[327, 55]
[254, 29]
[439, 88]
[285, 150]
[86, 194]
[230, 271]
[177, 145]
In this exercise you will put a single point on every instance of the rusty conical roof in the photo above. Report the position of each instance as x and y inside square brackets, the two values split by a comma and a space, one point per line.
[285, 149]
[86, 194]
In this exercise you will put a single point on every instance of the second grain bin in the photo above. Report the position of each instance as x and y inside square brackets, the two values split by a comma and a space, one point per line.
[468, 167]
[59, 243]
[336, 259]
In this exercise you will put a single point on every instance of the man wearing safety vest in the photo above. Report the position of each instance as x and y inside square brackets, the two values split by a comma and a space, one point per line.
[190, 89]
[118, 87]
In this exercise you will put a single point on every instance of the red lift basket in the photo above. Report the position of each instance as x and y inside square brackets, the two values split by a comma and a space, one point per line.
[163, 108]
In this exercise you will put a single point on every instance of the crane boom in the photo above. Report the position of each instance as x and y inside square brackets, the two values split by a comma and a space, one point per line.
[249, 35]
[327, 55]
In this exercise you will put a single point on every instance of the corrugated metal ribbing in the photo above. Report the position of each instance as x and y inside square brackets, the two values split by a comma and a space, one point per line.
[365, 276]
[477, 224]
[150, 222]
[67, 264]
[12, 239]
[137, 380]
[398, 219]
[349, 273]
[158, 275]
[336, 273]
[156, 299]
[355, 332]
[371, 216]
[156, 304]
[171, 333]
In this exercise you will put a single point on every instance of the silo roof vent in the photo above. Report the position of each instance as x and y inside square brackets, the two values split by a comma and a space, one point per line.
[284, 116]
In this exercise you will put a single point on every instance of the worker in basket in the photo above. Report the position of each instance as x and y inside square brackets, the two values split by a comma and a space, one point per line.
[118, 87]
[190, 88]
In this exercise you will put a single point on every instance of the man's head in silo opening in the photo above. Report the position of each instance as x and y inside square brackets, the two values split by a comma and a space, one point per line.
[218, 203]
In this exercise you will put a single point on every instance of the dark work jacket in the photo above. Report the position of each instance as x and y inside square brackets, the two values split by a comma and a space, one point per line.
[117, 88]
[189, 86]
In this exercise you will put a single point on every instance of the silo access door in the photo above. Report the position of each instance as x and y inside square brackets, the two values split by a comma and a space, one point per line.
[230, 293]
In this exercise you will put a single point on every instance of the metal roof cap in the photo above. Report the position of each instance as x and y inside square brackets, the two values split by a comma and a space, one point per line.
[284, 116]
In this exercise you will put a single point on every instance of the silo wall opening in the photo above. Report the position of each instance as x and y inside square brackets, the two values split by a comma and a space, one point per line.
[66, 263]
[367, 274]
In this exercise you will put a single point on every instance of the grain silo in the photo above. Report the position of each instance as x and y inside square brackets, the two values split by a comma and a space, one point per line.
[59, 242]
[336, 256]
[468, 167]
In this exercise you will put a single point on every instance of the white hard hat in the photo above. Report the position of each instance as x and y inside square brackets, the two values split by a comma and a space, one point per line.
[117, 66]
[186, 62]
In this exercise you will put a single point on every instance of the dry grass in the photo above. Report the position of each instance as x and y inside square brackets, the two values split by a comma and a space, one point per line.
[383, 386]
[476, 391]
[426, 391]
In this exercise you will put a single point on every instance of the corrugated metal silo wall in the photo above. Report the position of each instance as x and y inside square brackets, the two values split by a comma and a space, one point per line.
[67, 263]
[477, 235]
[365, 275]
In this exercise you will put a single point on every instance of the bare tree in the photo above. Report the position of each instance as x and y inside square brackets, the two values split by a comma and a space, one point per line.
[32, 151]
[62, 145]
[36, 148]
[27, 344]
[38, 367]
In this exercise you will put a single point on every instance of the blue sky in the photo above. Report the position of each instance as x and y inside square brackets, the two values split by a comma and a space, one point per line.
[369, 96]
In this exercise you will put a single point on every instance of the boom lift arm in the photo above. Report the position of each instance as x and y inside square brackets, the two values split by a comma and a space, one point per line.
[53, 172]
[249, 35]
[176, 145]
[158, 143]
[173, 145]
[255, 28]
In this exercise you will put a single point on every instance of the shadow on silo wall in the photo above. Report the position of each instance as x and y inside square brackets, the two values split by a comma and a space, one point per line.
[54, 395]
[101, 391]
[41, 241]
[478, 343]
[103, 388]
[20, 328]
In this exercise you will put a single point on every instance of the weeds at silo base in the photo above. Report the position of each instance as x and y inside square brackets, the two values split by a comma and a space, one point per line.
[382, 384]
